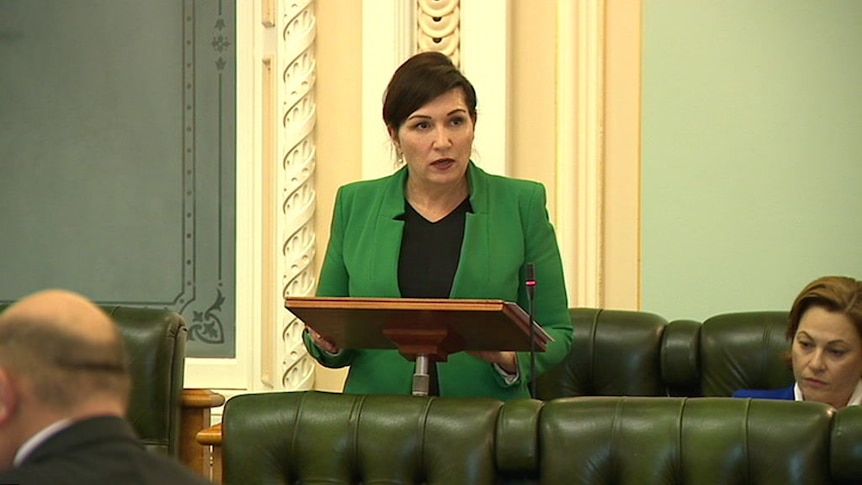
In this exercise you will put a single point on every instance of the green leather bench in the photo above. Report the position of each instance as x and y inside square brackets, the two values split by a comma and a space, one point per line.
[635, 353]
[314, 438]
[666, 369]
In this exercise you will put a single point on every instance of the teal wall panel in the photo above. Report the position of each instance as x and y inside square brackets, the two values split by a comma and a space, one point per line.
[117, 156]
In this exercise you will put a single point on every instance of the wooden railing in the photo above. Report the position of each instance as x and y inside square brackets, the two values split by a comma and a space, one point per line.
[211, 439]
[196, 414]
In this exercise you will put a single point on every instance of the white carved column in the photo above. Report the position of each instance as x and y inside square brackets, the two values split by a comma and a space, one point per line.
[438, 27]
[295, 192]
[580, 147]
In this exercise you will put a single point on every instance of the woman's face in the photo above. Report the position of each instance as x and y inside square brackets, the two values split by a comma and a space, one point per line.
[437, 140]
[827, 356]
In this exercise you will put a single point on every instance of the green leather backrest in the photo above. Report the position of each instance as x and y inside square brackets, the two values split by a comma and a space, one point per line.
[744, 350]
[716, 441]
[156, 343]
[636, 353]
[727, 352]
[846, 446]
[316, 437]
[613, 353]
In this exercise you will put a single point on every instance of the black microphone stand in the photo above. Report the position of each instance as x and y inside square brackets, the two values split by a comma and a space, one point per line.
[531, 295]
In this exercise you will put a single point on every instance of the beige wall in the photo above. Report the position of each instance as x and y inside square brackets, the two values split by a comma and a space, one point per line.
[536, 129]
[533, 101]
[338, 135]
[339, 64]
[621, 234]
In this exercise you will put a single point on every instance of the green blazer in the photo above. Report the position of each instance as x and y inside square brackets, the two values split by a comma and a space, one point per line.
[509, 227]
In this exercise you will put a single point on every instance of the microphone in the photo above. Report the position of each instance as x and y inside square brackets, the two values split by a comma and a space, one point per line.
[530, 283]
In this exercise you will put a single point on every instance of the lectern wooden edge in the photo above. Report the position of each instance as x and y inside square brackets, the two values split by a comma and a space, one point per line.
[422, 330]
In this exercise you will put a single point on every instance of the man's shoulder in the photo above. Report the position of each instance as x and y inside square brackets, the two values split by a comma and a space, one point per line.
[95, 451]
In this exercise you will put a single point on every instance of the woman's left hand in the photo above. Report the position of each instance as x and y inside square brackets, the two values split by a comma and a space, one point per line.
[507, 360]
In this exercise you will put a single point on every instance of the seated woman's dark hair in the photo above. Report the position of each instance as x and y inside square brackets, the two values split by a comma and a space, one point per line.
[420, 79]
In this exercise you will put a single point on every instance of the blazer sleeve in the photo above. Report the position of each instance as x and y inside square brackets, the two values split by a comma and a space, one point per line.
[550, 306]
[333, 279]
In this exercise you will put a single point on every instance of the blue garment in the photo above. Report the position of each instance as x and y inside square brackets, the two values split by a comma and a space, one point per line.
[785, 393]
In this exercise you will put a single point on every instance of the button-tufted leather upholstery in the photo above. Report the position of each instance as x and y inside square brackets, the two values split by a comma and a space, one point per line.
[686, 441]
[744, 350]
[348, 438]
[613, 353]
[634, 353]
[314, 437]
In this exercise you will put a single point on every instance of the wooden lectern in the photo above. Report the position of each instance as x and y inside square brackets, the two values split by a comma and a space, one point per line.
[421, 329]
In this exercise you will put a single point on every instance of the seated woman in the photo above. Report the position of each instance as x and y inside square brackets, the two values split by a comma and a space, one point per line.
[825, 330]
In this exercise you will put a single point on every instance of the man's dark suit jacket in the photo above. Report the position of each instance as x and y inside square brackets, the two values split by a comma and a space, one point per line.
[98, 451]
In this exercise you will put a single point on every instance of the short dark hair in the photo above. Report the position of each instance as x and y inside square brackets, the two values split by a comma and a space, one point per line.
[420, 79]
[833, 293]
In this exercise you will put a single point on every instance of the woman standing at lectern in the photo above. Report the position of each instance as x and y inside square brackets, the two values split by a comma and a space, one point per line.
[441, 227]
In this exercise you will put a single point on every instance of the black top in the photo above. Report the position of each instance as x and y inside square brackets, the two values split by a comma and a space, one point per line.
[429, 257]
[430, 252]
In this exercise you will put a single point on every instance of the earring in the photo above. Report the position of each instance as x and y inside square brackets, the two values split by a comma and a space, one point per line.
[400, 158]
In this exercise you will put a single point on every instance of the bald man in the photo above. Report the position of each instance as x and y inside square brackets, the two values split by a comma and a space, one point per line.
[64, 387]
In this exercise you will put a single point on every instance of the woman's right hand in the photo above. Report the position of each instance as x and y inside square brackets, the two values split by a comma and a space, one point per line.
[325, 344]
